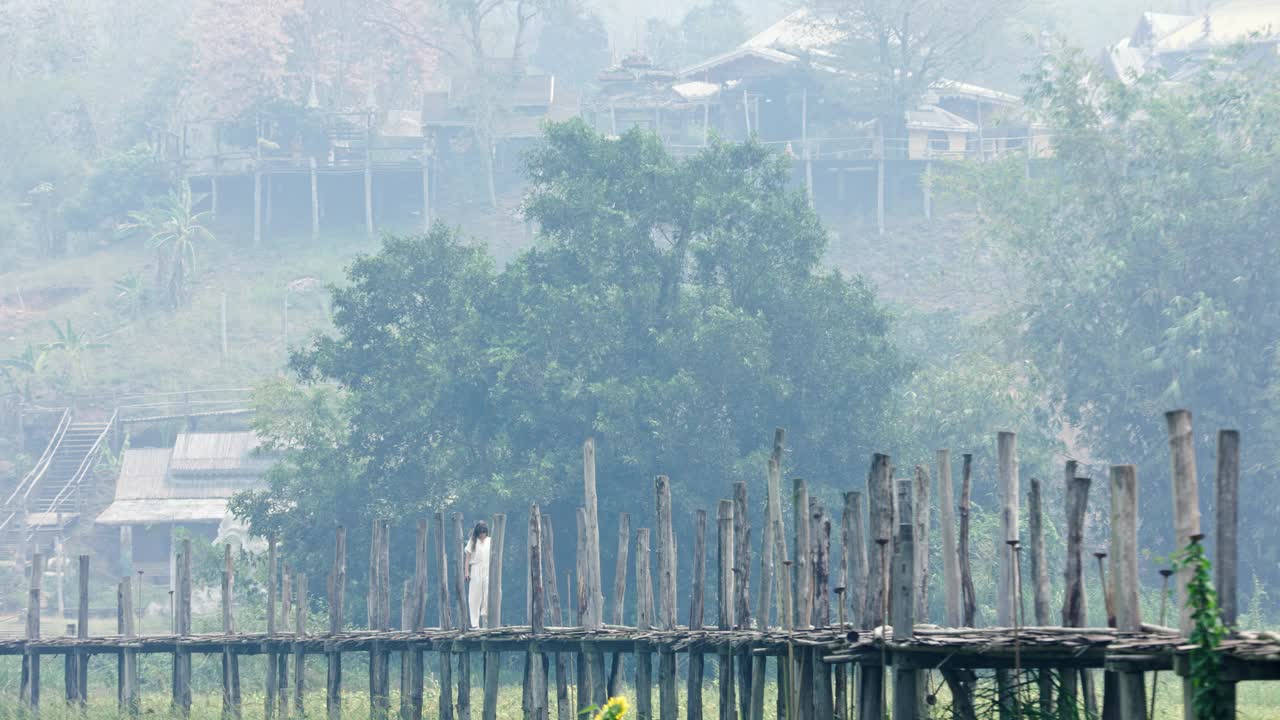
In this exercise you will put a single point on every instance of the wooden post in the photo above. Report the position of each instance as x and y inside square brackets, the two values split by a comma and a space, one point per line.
[337, 593]
[299, 658]
[857, 587]
[619, 597]
[273, 581]
[1006, 449]
[128, 673]
[951, 592]
[1124, 580]
[1073, 604]
[1007, 465]
[905, 694]
[82, 630]
[1186, 518]
[668, 702]
[768, 560]
[923, 519]
[1226, 517]
[537, 619]
[181, 655]
[230, 661]
[742, 590]
[1186, 506]
[596, 615]
[417, 602]
[644, 621]
[696, 607]
[820, 527]
[463, 706]
[880, 506]
[492, 659]
[1040, 578]
[564, 708]
[442, 588]
[802, 560]
[585, 681]
[725, 603]
[969, 604]
[29, 692]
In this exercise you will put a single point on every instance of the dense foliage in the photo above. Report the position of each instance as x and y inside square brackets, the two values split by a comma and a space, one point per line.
[676, 310]
[1148, 247]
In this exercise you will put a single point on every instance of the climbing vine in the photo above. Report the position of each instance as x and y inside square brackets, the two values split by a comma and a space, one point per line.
[1207, 632]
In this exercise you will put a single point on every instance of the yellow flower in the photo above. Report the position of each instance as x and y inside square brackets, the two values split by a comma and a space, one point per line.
[615, 709]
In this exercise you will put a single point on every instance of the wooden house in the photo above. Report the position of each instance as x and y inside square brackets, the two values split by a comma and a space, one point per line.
[160, 490]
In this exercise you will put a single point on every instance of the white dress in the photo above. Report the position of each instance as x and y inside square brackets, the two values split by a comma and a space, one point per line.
[478, 588]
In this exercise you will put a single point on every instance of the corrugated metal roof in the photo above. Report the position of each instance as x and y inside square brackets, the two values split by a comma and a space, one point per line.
[216, 453]
[191, 482]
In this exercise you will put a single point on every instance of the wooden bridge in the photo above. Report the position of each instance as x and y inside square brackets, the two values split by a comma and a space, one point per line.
[846, 649]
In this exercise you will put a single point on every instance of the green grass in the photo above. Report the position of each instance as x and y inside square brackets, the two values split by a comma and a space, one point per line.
[1257, 701]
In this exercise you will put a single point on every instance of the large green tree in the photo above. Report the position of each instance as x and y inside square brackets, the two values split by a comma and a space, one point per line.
[674, 310]
[1148, 247]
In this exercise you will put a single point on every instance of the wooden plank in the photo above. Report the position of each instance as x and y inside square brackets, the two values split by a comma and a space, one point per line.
[337, 594]
[951, 592]
[666, 555]
[905, 688]
[286, 607]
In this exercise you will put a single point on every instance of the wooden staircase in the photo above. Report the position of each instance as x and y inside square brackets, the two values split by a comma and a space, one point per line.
[50, 497]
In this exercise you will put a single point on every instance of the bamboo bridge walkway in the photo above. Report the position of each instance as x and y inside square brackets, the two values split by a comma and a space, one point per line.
[852, 648]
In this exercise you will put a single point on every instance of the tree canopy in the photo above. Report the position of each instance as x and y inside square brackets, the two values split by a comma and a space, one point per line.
[1148, 247]
[675, 310]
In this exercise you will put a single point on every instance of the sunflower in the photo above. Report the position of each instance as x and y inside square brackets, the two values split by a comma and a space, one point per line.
[615, 709]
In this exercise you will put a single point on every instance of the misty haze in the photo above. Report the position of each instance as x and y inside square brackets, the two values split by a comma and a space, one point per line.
[601, 359]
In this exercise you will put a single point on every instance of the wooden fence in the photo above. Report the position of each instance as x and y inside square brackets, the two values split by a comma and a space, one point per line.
[845, 646]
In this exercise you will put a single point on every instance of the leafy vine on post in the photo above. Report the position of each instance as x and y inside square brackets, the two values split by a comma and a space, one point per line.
[1207, 633]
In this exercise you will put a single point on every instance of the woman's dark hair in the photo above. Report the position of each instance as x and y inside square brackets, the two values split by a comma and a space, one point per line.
[481, 527]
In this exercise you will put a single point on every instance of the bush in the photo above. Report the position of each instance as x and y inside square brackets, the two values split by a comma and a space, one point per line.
[117, 184]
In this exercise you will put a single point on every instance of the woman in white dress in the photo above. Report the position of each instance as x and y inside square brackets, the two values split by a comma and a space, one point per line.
[477, 559]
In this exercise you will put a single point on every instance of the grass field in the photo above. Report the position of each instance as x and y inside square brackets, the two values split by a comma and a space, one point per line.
[1257, 701]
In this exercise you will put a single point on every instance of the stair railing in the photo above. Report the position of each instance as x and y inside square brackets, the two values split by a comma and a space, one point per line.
[73, 485]
[13, 505]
